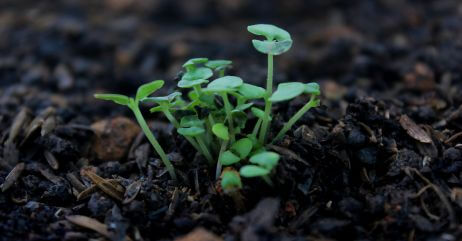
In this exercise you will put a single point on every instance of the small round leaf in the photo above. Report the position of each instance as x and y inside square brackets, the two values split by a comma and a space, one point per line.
[312, 88]
[190, 121]
[242, 147]
[221, 131]
[191, 131]
[253, 171]
[218, 64]
[271, 32]
[230, 180]
[265, 159]
[287, 91]
[251, 91]
[224, 84]
[199, 73]
[191, 83]
[228, 158]
[194, 61]
[272, 47]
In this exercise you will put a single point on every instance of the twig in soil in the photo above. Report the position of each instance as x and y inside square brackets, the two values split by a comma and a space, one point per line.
[438, 192]
[115, 191]
[453, 137]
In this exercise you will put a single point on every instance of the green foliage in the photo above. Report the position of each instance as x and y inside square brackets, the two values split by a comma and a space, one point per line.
[213, 116]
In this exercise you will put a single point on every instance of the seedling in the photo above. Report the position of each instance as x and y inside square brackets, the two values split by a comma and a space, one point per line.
[219, 107]
[231, 184]
[277, 42]
[264, 164]
[133, 103]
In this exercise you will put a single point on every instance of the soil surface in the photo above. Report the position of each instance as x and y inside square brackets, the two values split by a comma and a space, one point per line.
[381, 159]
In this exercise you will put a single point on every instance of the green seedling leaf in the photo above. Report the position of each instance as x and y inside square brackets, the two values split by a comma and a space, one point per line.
[272, 47]
[191, 83]
[191, 131]
[260, 114]
[224, 84]
[149, 88]
[162, 99]
[242, 147]
[190, 64]
[228, 158]
[156, 109]
[218, 64]
[221, 131]
[253, 171]
[265, 159]
[287, 91]
[118, 99]
[230, 180]
[271, 32]
[191, 121]
[312, 88]
[199, 73]
[242, 107]
[251, 91]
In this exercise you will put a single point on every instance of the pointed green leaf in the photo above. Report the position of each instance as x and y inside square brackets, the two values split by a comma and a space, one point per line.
[160, 99]
[242, 147]
[230, 180]
[156, 109]
[218, 64]
[118, 99]
[260, 114]
[272, 47]
[253, 171]
[271, 32]
[228, 158]
[199, 73]
[287, 91]
[251, 91]
[224, 84]
[265, 159]
[221, 131]
[191, 131]
[242, 107]
[149, 88]
[312, 88]
[191, 83]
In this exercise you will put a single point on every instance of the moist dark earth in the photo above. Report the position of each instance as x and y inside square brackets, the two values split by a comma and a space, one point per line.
[381, 158]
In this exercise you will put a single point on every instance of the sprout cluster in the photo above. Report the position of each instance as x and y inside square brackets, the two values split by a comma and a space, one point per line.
[219, 106]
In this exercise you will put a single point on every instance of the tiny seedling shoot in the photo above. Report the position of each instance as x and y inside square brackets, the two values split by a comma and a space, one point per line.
[220, 109]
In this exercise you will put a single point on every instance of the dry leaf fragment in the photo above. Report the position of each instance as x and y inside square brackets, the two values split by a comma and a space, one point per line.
[13, 176]
[115, 191]
[414, 130]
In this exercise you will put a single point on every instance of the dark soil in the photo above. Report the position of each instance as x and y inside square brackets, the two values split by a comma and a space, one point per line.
[380, 160]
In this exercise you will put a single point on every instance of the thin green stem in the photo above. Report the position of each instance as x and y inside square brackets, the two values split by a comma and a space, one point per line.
[269, 92]
[256, 128]
[197, 89]
[205, 150]
[287, 126]
[175, 123]
[147, 132]
[224, 144]
[228, 115]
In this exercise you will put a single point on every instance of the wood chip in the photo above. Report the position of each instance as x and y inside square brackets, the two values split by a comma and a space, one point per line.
[92, 189]
[93, 224]
[115, 191]
[51, 159]
[414, 130]
[13, 176]
[132, 191]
